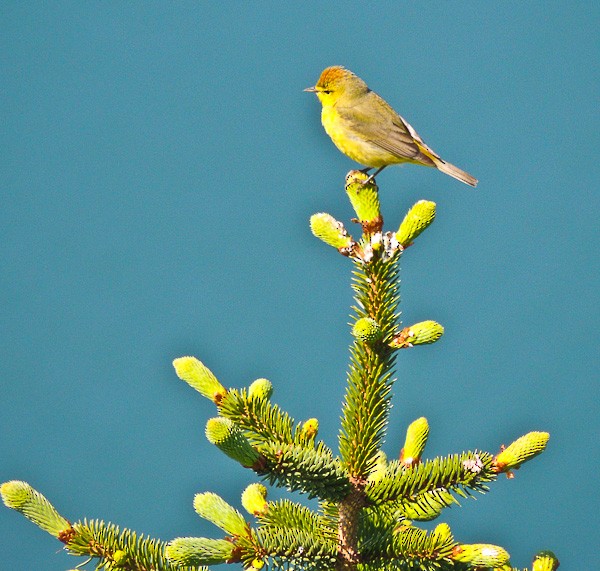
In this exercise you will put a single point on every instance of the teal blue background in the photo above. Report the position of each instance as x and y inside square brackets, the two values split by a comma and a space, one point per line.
[159, 166]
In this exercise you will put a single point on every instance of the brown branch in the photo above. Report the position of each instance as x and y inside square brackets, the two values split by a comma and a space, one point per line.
[349, 512]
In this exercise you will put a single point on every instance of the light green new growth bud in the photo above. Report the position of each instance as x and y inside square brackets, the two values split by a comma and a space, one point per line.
[365, 201]
[199, 377]
[196, 551]
[261, 389]
[309, 429]
[481, 555]
[216, 510]
[331, 231]
[254, 499]
[414, 444]
[545, 561]
[228, 438]
[418, 334]
[367, 330]
[416, 220]
[20, 496]
[521, 450]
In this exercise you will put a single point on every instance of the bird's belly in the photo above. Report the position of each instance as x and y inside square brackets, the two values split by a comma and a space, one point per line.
[359, 149]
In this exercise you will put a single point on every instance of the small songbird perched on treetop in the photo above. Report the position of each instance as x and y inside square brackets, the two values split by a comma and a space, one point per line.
[365, 128]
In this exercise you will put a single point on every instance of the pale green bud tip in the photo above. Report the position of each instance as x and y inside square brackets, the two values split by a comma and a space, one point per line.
[545, 561]
[16, 494]
[196, 551]
[367, 330]
[331, 231]
[199, 377]
[419, 217]
[365, 200]
[310, 428]
[414, 444]
[418, 334]
[216, 510]
[219, 430]
[229, 439]
[254, 499]
[20, 496]
[261, 389]
[481, 555]
[521, 450]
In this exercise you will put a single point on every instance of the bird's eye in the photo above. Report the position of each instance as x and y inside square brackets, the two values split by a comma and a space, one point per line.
[327, 91]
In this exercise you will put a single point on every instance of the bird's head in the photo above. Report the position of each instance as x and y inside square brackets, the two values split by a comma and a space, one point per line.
[337, 83]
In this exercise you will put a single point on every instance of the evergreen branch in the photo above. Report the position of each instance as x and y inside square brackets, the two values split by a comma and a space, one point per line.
[387, 545]
[291, 548]
[124, 548]
[427, 505]
[314, 472]
[422, 549]
[376, 527]
[259, 417]
[105, 542]
[367, 401]
[265, 422]
[458, 473]
[285, 514]
[330, 513]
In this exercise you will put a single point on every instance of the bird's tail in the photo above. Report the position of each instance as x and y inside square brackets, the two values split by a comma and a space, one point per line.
[455, 172]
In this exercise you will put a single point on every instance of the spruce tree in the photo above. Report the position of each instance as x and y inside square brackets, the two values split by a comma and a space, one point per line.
[370, 508]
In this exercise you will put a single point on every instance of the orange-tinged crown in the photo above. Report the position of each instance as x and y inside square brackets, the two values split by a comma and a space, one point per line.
[337, 82]
[332, 75]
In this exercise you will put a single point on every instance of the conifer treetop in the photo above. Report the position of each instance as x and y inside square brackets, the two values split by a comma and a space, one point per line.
[370, 508]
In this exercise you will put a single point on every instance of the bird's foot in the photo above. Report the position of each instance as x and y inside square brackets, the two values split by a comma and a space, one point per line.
[371, 179]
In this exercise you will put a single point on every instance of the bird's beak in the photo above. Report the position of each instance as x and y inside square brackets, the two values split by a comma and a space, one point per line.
[311, 89]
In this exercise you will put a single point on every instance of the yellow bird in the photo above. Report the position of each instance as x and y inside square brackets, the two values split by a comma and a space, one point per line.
[366, 128]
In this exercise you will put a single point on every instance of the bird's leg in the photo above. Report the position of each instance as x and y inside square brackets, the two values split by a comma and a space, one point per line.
[372, 177]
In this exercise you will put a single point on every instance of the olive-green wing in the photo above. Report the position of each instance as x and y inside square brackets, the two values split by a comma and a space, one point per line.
[373, 120]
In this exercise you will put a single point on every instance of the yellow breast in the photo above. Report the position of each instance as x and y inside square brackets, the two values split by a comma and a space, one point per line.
[349, 140]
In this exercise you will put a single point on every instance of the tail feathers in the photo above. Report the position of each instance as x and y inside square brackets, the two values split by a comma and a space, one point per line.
[455, 172]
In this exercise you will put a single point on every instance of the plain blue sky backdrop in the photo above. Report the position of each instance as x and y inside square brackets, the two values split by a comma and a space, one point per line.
[159, 166]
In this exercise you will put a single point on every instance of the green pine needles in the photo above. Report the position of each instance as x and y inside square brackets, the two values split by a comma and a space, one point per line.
[370, 509]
